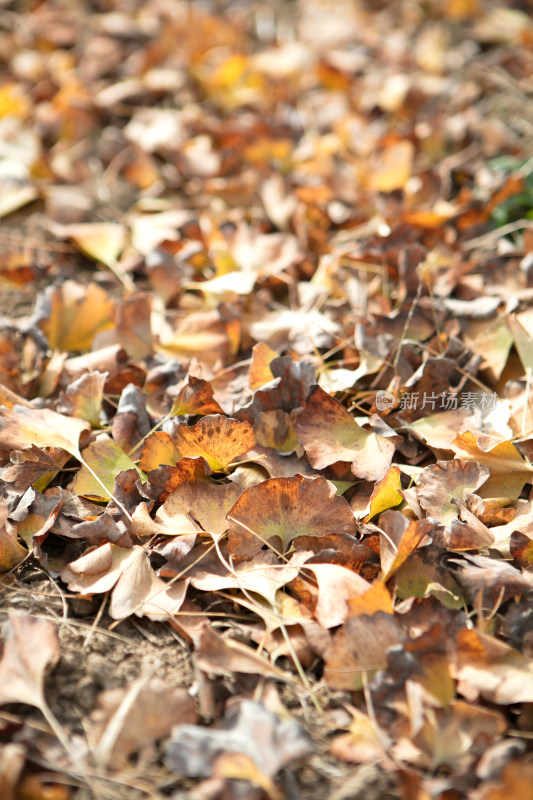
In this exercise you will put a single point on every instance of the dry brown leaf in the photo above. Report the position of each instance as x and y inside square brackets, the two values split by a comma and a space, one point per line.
[30, 647]
[131, 720]
[329, 434]
[278, 510]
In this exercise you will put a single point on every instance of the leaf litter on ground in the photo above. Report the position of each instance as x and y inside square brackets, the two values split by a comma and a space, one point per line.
[265, 388]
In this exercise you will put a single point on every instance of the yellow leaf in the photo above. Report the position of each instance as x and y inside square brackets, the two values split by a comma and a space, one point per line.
[106, 459]
[394, 169]
[386, 493]
[103, 241]
[508, 470]
[77, 314]
[21, 427]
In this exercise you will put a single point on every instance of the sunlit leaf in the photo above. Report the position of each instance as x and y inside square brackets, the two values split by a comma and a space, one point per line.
[106, 459]
[329, 434]
[22, 427]
[102, 241]
[215, 438]
[77, 313]
[386, 493]
[195, 397]
[11, 552]
[508, 470]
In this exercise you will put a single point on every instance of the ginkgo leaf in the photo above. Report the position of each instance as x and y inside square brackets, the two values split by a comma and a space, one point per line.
[41, 513]
[260, 372]
[488, 667]
[30, 646]
[330, 434]
[238, 282]
[393, 169]
[263, 574]
[105, 458]
[158, 449]
[166, 478]
[195, 397]
[22, 427]
[137, 590]
[278, 510]
[508, 470]
[76, 314]
[275, 429]
[399, 539]
[441, 484]
[359, 647]
[422, 575]
[204, 503]
[103, 241]
[215, 438]
[83, 397]
[439, 430]
[11, 552]
[376, 598]
[336, 586]
[386, 493]
[202, 334]
[224, 656]
[129, 719]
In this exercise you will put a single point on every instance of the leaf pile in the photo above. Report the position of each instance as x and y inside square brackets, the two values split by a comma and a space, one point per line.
[265, 381]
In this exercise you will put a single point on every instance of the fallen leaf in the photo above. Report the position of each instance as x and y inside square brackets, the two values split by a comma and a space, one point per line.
[206, 504]
[393, 168]
[215, 438]
[11, 552]
[194, 397]
[23, 427]
[130, 720]
[136, 589]
[329, 434]
[250, 730]
[400, 537]
[336, 588]
[103, 241]
[73, 314]
[224, 656]
[360, 646]
[452, 737]
[508, 470]
[105, 458]
[30, 647]
[163, 480]
[439, 485]
[280, 509]
[264, 575]
[487, 667]
[83, 398]
[491, 579]
[260, 372]
[386, 493]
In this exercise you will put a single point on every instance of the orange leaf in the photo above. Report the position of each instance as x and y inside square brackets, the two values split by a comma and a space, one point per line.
[260, 372]
[216, 438]
[508, 470]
